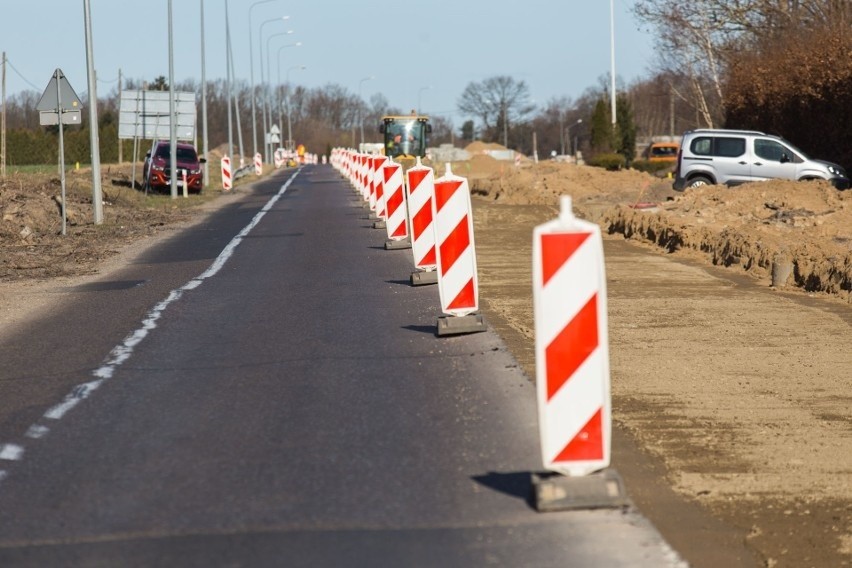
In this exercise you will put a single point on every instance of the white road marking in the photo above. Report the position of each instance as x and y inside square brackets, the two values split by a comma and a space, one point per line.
[122, 352]
[11, 452]
[37, 431]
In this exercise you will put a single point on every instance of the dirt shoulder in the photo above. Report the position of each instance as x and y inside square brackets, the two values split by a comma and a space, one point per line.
[740, 388]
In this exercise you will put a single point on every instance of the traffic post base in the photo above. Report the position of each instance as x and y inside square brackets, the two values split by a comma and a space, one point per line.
[458, 325]
[600, 490]
[380, 224]
[398, 244]
[424, 277]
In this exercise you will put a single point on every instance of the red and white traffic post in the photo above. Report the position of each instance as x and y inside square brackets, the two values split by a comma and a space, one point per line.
[395, 206]
[227, 184]
[363, 170]
[258, 164]
[377, 200]
[458, 284]
[572, 365]
[420, 186]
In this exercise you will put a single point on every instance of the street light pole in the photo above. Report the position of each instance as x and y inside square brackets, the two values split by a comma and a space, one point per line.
[289, 127]
[570, 126]
[228, 82]
[360, 114]
[505, 124]
[267, 102]
[172, 118]
[204, 140]
[612, 54]
[262, 82]
[97, 196]
[251, 75]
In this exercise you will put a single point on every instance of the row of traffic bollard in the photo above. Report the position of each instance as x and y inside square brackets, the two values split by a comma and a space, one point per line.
[281, 156]
[434, 217]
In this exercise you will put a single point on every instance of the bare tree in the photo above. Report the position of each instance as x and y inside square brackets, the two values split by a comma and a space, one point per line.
[698, 40]
[498, 102]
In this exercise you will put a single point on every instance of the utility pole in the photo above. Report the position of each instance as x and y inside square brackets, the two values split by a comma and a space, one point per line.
[120, 157]
[97, 196]
[205, 149]
[671, 111]
[172, 113]
[535, 147]
[237, 109]
[612, 54]
[228, 81]
[3, 117]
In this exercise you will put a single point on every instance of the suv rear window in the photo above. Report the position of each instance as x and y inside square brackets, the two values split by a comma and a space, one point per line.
[724, 147]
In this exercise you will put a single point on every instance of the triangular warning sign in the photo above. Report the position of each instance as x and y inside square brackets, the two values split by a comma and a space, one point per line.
[48, 101]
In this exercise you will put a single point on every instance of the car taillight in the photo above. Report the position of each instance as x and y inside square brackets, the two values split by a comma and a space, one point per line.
[677, 167]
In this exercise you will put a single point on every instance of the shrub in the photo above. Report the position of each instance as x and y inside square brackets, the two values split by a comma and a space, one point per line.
[656, 168]
[609, 162]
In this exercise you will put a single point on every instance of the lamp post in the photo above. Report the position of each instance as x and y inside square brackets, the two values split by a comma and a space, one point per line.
[505, 124]
[360, 115]
[267, 102]
[172, 116]
[419, 110]
[262, 83]
[568, 135]
[204, 138]
[289, 127]
[251, 75]
[97, 193]
[612, 54]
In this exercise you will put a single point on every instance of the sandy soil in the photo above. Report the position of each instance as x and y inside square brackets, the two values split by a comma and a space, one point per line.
[740, 388]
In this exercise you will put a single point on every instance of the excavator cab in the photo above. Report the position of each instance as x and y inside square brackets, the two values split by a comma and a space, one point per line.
[405, 136]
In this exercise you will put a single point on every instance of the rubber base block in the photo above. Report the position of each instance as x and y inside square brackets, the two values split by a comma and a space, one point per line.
[457, 325]
[423, 277]
[557, 492]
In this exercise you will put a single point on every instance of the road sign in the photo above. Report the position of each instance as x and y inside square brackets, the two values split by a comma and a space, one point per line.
[145, 114]
[274, 129]
[61, 101]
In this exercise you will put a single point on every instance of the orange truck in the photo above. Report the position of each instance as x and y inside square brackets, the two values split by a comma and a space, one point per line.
[661, 152]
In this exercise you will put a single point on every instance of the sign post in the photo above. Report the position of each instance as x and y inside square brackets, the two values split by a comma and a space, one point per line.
[59, 104]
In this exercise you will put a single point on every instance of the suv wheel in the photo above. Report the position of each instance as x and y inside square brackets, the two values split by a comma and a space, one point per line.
[698, 181]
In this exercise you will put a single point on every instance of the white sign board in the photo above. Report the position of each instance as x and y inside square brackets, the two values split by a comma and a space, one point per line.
[145, 114]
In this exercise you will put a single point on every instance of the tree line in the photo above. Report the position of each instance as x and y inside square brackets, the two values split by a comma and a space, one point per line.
[746, 64]
[320, 118]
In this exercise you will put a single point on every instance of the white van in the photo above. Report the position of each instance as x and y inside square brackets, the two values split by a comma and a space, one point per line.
[732, 157]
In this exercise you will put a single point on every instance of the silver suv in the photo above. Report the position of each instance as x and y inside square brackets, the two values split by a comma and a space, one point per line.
[733, 157]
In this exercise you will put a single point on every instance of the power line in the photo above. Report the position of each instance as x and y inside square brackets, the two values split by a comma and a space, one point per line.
[18, 73]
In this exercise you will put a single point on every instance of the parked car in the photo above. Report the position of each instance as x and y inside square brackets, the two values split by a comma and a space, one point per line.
[156, 172]
[662, 152]
[732, 157]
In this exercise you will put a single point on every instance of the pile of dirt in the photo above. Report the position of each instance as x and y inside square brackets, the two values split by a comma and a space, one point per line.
[479, 147]
[800, 234]
[32, 245]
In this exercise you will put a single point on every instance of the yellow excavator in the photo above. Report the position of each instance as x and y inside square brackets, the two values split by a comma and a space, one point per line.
[405, 137]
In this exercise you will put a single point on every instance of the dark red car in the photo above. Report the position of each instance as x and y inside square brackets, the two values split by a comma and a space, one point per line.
[156, 172]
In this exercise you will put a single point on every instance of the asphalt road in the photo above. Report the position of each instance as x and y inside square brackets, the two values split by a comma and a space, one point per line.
[284, 403]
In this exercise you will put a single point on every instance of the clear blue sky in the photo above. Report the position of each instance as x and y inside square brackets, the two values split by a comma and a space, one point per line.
[558, 47]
